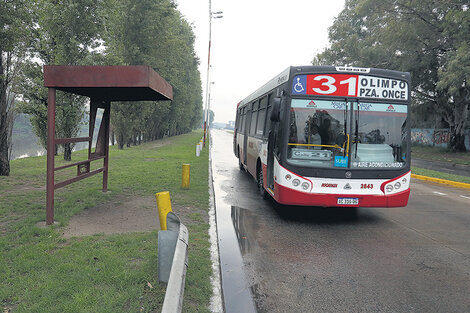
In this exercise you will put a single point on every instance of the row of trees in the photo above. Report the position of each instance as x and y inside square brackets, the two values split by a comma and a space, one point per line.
[96, 32]
[429, 38]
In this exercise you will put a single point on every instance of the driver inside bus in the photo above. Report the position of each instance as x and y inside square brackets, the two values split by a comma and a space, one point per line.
[324, 131]
[312, 133]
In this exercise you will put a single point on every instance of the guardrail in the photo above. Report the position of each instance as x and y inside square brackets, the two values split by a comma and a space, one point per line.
[173, 262]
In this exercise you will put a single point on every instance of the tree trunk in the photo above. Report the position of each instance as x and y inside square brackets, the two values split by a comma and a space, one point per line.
[6, 126]
[112, 137]
[457, 142]
[4, 150]
[120, 141]
[134, 139]
[457, 125]
[67, 152]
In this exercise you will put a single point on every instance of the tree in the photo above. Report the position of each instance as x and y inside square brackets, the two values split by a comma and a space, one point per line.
[14, 28]
[429, 38]
[64, 34]
[150, 32]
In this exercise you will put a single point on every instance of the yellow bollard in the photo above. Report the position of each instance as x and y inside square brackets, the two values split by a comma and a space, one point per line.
[185, 176]
[164, 206]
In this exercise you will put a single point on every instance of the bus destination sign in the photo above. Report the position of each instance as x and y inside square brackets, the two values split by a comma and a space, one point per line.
[346, 85]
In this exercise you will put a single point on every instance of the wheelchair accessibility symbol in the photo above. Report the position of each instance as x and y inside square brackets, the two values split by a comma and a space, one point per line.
[298, 84]
[298, 87]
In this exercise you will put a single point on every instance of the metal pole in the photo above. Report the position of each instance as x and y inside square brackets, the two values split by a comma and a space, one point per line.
[50, 156]
[206, 115]
[106, 120]
[209, 108]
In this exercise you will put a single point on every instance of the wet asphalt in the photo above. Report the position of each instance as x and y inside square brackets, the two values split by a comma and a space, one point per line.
[277, 258]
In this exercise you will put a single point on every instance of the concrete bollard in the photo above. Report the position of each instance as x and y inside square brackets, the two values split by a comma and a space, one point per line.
[164, 207]
[198, 150]
[185, 176]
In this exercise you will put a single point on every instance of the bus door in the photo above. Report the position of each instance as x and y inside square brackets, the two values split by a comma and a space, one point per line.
[270, 156]
[272, 122]
[246, 132]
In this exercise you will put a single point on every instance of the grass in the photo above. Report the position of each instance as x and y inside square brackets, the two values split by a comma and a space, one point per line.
[439, 154]
[440, 175]
[41, 271]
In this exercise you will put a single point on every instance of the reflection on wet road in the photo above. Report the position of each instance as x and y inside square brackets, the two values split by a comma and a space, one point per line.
[303, 259]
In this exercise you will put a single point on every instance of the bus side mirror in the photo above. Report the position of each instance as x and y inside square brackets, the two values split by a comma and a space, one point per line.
[276, 109]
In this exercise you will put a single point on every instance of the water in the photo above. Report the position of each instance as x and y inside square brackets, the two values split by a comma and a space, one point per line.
[26, 143]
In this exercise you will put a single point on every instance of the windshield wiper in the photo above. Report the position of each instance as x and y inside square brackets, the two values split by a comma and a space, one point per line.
[356, 131]
[345, 126]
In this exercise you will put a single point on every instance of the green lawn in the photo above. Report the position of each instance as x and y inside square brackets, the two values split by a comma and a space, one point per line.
[41, 271]
[440, 175]
[439, 154]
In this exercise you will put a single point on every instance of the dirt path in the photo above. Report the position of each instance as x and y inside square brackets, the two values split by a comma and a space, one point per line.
[122, 215]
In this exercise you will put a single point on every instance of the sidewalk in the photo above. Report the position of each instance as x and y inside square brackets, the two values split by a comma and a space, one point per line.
[456, 169]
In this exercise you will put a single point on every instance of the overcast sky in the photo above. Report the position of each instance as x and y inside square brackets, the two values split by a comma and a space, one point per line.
[254, 41]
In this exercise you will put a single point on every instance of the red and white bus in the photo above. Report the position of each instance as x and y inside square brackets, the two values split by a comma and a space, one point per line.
[328, 136]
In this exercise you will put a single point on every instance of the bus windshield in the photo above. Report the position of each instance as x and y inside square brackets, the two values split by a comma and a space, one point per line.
[335, 134]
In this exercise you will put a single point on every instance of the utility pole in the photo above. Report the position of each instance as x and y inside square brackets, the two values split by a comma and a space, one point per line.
[206, 115]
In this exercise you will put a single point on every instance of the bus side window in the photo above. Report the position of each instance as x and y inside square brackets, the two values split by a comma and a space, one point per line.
[237, 120]
[254, 116]
[243, 122]
[261, 116]
[267, 124]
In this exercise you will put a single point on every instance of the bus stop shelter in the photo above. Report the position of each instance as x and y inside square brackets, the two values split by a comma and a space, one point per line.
[102, 84]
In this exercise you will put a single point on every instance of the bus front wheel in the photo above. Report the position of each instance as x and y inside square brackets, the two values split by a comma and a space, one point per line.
[260, 181]
[240, 165]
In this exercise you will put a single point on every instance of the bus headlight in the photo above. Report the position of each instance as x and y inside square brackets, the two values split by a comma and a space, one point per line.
[296, 182]
[389, 188]
[397, 185]
[288, 177]
[305, 186]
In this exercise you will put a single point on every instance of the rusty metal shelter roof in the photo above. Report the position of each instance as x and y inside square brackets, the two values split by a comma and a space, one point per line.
[110, 83]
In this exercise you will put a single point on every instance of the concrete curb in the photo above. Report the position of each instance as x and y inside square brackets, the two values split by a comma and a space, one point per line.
[441, 181]
[173, 301]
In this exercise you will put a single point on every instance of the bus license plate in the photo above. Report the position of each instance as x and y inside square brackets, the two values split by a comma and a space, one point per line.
[348, 201]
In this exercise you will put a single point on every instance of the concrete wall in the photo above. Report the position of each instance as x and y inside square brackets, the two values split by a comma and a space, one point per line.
[435, 137]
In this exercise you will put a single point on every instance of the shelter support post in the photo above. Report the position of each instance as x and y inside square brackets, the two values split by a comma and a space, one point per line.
[106, 122]
[50, 156]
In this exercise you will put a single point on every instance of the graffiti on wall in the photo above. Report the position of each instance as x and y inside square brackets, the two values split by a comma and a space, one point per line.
[421, 136]
[441, 137]
[435, 137]
[429, 136]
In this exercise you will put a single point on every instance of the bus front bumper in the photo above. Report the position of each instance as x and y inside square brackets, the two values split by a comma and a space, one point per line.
[289, 196]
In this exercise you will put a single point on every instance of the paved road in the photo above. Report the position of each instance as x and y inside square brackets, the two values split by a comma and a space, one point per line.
[294, 259]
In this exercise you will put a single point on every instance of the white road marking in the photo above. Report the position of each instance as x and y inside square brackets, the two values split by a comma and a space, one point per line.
[440, 193]
[465, 197]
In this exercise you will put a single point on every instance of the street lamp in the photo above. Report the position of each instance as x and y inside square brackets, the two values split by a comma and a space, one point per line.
[212, 15]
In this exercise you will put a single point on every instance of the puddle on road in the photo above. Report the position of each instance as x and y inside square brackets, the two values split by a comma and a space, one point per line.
[244, 224]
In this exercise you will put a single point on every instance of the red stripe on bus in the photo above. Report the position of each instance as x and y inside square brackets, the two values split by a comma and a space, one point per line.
[290, 196]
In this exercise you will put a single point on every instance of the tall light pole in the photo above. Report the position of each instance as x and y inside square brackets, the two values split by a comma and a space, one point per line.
[206, 117]
[209, 106]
